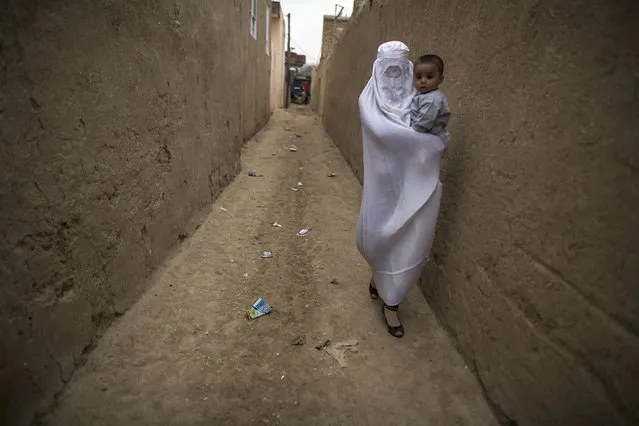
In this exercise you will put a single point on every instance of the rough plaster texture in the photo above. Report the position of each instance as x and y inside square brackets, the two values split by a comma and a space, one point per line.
[534, 270]
[120, 122]
[318, 88]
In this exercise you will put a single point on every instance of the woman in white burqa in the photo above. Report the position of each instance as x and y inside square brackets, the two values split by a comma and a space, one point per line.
[402, 191]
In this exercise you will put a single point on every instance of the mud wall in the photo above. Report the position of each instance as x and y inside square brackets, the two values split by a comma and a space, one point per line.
[534, 270]
[120, 123]
[318, 88]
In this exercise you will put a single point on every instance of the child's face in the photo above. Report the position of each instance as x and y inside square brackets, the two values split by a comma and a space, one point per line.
[427, 78]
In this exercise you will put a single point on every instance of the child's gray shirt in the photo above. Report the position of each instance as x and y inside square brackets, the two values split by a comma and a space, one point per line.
[429, 112]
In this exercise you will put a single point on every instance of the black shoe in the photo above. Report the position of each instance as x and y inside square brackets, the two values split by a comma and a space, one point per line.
[394, 331]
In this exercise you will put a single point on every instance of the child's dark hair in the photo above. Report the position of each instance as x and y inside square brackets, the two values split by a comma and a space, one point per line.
[432, 59]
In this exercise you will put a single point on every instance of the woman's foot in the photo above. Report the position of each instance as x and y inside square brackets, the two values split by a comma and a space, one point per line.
[372, 290]
[395, 327]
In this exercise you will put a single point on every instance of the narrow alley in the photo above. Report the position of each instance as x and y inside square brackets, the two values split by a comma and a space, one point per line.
[166, 165]
[186, 351]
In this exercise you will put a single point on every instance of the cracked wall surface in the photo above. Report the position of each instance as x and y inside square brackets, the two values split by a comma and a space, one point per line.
[535, 266]
[120, 123]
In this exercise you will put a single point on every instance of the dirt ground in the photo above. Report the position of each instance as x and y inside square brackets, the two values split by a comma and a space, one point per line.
[185, 354]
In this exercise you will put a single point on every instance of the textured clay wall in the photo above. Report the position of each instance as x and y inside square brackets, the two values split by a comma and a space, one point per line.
[318, 88]
[254, 69]
[120, 122]
[535, 268]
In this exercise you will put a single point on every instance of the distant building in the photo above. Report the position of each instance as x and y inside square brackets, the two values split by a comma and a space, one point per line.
[331, 31]
[335, 25]
[295, 60]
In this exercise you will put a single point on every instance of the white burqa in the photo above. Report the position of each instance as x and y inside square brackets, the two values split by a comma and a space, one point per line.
[402, 191]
